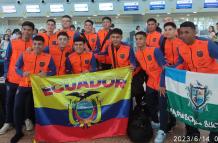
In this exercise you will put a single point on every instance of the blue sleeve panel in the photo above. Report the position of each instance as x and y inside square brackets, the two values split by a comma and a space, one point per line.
[46, 50]
[19, 65]
[68, 66]
[7, 59]
[132, 57]
[93, 64]
[213, 49]
[52, 68]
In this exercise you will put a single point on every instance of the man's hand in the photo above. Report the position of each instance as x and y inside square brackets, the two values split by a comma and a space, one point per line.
[162, 91]
[42, 74]
[132, 68]
[26, 74]
[86, 71]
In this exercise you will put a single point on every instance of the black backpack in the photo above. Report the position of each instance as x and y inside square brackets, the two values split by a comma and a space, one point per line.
[139, 127]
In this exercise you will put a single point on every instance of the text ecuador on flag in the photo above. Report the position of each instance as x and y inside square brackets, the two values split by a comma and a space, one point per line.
[85, 106]
[193, 98]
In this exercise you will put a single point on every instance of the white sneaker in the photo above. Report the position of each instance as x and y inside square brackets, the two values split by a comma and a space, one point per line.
[160, 137]
[29, 125]
[155, 125]
[6, 127]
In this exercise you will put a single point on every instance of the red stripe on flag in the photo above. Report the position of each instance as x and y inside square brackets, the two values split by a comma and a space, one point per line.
[56, 133]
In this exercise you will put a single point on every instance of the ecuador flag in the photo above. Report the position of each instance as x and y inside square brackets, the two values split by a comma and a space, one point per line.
[81, 107]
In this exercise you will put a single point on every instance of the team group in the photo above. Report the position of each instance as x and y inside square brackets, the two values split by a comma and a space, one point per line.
[70, 52]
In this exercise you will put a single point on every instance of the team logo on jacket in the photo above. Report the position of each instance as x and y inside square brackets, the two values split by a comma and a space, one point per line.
[149, 57]
[200, 53]
[93, 40]
[122, 56]
[84, 109]
[86, 61]
[154, 39]
[198, 96]
[41, 64]
[54, 43]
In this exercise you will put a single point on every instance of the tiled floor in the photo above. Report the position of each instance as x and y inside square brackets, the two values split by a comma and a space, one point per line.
[177, 131]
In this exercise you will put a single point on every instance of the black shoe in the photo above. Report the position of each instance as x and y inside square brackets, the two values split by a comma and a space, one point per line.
[16, 137]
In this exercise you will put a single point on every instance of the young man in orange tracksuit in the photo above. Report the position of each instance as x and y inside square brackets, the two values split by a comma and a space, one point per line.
[60, 52]
[199, 55]
[152, 62]
[66, 23]
[169, 48]
[34, 62]
[92, 40]
[15, 48]
[104, 36]
[120, 54]
[154, 38]
[50, 36]
[80, 61]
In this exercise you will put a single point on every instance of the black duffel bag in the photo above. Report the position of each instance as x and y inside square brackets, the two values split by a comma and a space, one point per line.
[139, 127]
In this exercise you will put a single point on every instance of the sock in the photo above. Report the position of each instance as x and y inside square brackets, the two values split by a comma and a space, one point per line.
[16, 137]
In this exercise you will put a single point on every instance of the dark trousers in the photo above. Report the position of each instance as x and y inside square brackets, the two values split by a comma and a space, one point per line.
[152, 96]
[11, 89]
[105, 66]
[2, 103]
[137, 89]
[23, 107]
[191, 131]
[166, 118]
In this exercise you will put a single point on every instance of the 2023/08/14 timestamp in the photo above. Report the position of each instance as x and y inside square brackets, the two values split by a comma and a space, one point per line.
[193, 139]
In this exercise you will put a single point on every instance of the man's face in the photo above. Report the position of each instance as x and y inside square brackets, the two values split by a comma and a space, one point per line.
[169, 32]
[140, 41]
[88, 27]
[38, 46]
[106, 24]
[66, 22]
[51, 26]
[187, 34]
[27, 32]
[79, 47]
[116, 39]
[152, 26]
[62, 41]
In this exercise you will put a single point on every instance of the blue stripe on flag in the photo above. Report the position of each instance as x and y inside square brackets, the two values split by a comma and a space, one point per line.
[48, 116]
[175, 74]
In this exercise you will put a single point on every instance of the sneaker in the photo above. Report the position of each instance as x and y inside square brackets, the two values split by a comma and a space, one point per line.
[29, 125]
[6, 127]
[155, 125]
[160, 137]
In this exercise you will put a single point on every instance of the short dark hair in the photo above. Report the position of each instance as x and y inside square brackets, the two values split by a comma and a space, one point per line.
[72, 26]
[217, 23]
[172, 24]
[28, 23]
[106, 17]
[51, 20]
[62, 33]
[141, 33]
[188, 24]
[5, 36]
[67, 16]
[90, 21]
[39, 38]
[117, 31]
[152, 19]
[79, 39]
